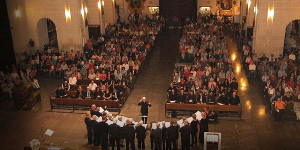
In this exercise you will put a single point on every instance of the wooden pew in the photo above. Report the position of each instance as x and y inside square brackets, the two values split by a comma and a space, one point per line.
[75, 104]
[26, 97]
[231, 110]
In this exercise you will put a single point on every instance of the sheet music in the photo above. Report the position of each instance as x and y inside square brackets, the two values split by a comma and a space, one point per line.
[153, 125]
[145, 125]
[49, 132]
[167, 124]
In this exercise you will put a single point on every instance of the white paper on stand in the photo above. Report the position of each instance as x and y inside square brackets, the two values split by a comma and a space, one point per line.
[198, 115]
[109, 122]
[49, 132]
[189, 119]
[153, 125]
[180, 121]
[119, 123]
[167, 124]
[145, 125]
[99, 119]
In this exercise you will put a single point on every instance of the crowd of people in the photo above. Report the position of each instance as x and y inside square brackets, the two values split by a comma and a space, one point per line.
[280, 77]
[209, 79]
[107, 130]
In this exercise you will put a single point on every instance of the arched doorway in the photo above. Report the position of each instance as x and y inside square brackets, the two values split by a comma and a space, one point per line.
[47, 33]
[292, 37]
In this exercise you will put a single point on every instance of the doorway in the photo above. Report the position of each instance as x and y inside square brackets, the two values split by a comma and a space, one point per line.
[47, 33]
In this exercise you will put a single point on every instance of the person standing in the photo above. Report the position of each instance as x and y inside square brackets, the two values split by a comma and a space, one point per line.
[88, 123]
[194, 126]
[144, 109]
[129, 134]
[171, 136]
[203, 127]
[185, 136]
[114, 132]
[96, 130]
[157, 136]
[279, 107]
[140, 135]
[104, 133]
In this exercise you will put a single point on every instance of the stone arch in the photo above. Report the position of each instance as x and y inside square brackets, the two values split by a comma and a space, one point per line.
[47, 33]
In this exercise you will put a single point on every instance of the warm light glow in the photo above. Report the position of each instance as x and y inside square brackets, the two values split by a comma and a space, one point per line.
[99, 5]
[247, 102]
[17, 13]
[82, 12]
[67, 13]
[238, 68]
[249, 3]
[255, 10]
[249, 107]
[261, 111]
[85, 9]
[270, 14]
[233, 57]
[103, 3]
[243, 84]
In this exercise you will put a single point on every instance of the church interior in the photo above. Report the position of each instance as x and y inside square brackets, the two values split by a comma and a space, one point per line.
[150, 74]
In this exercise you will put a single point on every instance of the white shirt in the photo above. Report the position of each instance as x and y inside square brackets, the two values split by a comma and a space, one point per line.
[72, 80]
[252, 67]
[93, 86]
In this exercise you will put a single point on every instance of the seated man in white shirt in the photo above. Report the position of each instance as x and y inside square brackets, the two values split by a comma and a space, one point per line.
[93, 86]
[252, 69]
[72, 80]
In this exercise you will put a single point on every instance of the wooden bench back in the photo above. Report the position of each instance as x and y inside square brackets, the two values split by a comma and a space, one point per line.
[180, 106]
[84, 102]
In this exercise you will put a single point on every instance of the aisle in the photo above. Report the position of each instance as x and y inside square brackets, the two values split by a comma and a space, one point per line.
[155, 78]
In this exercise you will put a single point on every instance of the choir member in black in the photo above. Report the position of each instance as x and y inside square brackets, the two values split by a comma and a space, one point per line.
[98, 94]
[164, 129]
[104, 129]
[140, 135]
[65, 86]
[60, 93]
[151, 135]
[107, 94]
[203, 127]
[96, 131]
[88, 123]
[212, 116]
[79, 93]
[172, 95]
[129, 134]
[172, 136]
[114, 132]
[234, 85]
[223, 99]
[211, 98]
[157, 137]
[122, 132]
[191, 97]
[234, 99]
[186, 131]
[181, 98]
[144, 108]
[201, 98]
[88, 94]
[194, 126]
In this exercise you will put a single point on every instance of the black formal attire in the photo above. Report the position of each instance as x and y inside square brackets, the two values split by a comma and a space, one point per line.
[223, 99]
[98, 95]
[191, 97]
[203, 128]
[194, 127]
[157, 137]
[186, 131]
[144, 110]
[201, 98]
[96, 131]
[95, 112]
[181, 98]
[172, 97]
[79, 94]
[164, 129]
[66, 87]
[88, 123]
[234, 100]
[114, 132]
[129, 136]
[140, 135]
[104, 129]
[172, 136]
[211, 99]
[60, 93]
[234, 85]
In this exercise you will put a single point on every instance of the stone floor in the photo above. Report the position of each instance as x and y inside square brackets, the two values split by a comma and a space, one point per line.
[256, 130]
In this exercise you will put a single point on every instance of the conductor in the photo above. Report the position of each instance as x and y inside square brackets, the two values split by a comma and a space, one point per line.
[144, 109]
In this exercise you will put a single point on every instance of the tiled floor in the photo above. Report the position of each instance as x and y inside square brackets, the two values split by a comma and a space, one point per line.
[256, 130]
